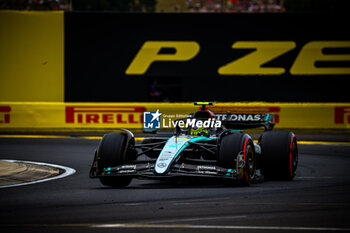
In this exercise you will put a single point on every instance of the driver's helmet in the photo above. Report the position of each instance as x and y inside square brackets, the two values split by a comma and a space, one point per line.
[199, 131]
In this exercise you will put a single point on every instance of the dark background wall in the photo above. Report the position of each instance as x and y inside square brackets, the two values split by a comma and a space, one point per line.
[99, 47]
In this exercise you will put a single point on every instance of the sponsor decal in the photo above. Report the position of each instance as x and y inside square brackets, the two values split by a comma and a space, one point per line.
[240, 117]
[244, 113]
[207, 172]
[342, 115]
[133, 167]
[104, 114]
[210, 168]
[5, 114]
[126, 171]
[262, 52]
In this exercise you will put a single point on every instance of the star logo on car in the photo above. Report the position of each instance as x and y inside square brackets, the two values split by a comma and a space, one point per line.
[161, 165]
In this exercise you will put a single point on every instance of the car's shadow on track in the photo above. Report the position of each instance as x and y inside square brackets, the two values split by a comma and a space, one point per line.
[183, 184]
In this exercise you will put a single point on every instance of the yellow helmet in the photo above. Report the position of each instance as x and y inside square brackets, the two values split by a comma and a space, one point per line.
[200, 131]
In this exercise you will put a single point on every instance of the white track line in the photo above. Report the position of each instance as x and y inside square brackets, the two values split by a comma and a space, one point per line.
[165, 226]
[67, 172]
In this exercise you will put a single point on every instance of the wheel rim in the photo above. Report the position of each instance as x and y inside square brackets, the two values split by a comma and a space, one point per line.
[250, 163]
[294, 159]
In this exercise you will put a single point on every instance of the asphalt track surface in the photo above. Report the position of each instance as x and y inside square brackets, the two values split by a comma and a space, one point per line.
[318, 200]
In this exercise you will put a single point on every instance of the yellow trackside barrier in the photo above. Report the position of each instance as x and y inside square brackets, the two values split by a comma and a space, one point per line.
[32, 55]
[57, 116]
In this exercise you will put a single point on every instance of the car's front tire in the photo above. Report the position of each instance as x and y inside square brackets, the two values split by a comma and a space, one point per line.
[230, 147]
[111, 152]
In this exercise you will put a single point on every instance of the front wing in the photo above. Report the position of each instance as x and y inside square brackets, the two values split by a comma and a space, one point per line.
[147, 170]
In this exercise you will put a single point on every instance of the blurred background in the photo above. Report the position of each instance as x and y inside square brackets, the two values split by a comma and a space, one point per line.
[72, 70]
[201, 6]
[239, 52]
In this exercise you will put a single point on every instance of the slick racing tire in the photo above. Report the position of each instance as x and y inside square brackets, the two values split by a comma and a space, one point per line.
[111, 153]
[230, 147]
[279, 155]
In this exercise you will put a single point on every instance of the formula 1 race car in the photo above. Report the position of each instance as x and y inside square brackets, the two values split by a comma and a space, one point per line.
[200, 150]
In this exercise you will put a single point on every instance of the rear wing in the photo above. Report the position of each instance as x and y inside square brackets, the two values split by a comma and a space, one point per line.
[245, 121]
[204, 104]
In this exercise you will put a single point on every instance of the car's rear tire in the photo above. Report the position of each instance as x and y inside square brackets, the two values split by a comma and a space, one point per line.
[111, 152]
[230, 147]
[279, 155]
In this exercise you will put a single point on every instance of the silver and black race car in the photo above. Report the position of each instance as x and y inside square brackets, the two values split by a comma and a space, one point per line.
[200, 150]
